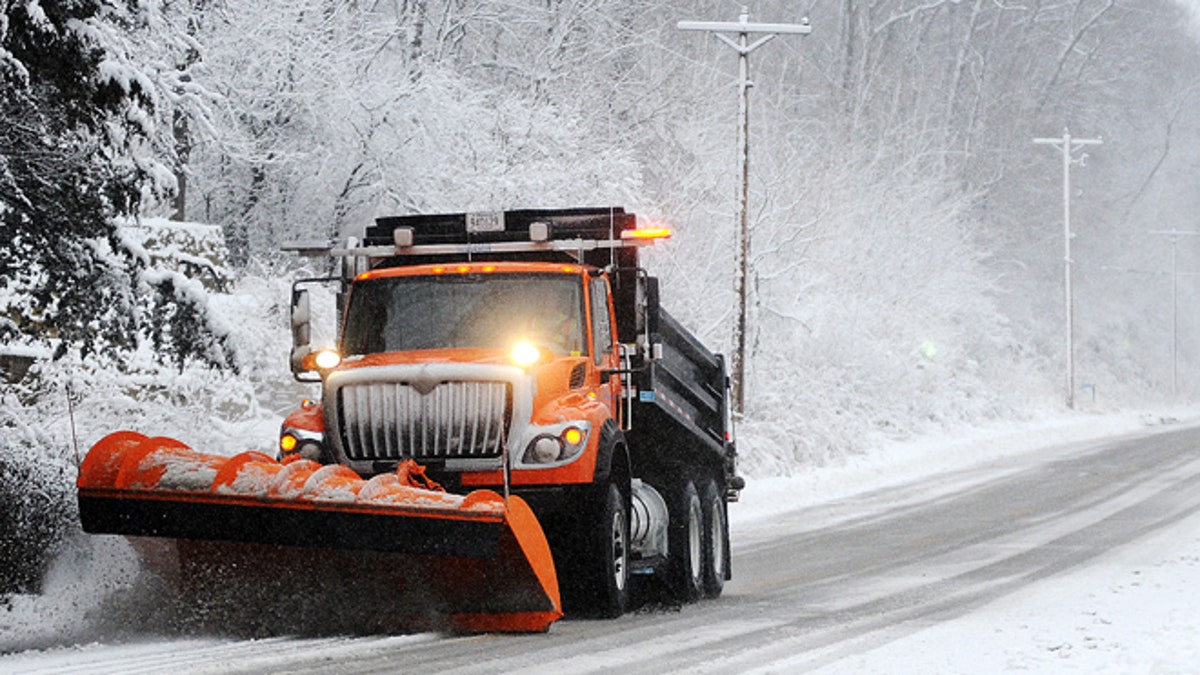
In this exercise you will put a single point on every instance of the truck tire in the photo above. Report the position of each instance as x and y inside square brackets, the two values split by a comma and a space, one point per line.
[591, 554]
[716, 540]
[611, 588]
[685, 544]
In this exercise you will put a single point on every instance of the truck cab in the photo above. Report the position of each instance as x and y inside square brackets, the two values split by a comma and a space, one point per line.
[455, 365]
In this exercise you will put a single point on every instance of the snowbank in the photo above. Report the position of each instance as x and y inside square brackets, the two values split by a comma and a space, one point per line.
[896, 463]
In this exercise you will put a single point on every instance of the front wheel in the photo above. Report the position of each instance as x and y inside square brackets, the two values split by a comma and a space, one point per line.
[613, 535]
[591, 554]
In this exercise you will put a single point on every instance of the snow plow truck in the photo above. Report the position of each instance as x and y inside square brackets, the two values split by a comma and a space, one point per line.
[510, 423]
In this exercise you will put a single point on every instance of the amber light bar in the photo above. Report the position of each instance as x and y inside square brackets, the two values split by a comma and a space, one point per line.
[648, 233]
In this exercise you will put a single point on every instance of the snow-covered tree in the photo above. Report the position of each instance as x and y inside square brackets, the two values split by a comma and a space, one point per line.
[81, 142]
[78, 148]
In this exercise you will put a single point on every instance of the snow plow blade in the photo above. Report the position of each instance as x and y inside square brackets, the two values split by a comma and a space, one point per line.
[476, 562]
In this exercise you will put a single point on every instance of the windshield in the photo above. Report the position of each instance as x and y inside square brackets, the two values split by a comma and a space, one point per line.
[488, 311]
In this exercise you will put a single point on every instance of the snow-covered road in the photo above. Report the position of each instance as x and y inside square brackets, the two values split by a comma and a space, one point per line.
[1036, 549]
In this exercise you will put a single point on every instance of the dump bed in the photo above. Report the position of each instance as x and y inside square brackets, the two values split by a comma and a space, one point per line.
[680, 402]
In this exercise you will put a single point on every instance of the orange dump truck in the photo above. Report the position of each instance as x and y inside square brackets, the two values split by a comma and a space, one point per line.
[509, 423]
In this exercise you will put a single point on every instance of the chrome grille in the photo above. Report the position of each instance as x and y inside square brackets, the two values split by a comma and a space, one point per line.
[394, 420]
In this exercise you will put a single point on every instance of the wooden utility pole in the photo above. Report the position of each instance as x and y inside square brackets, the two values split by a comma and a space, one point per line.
[743, 28]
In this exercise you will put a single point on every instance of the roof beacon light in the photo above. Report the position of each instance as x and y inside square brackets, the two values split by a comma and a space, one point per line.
[647, 233]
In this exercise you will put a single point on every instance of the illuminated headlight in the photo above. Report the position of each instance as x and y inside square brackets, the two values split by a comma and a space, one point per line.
[288, 443]
[525, 354]
[307, 444]
[573, 436]
[328, 358]
[557, 444]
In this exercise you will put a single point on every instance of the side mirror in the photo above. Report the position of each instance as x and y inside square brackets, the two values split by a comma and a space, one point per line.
[301, 330]
[650, 298]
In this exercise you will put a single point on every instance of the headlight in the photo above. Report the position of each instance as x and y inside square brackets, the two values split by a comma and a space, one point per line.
[557, 444]
[311, 450]
[306, 444]
[525, 354]
[573, 436]
[328, 358]
[545, 449]
[287, 443]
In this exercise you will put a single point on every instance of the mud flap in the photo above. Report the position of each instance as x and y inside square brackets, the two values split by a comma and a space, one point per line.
[479, 564]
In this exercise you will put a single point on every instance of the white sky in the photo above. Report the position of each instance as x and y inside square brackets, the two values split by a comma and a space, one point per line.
[1194, 7]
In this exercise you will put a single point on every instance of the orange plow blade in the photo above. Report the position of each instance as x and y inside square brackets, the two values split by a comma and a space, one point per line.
[476, 562]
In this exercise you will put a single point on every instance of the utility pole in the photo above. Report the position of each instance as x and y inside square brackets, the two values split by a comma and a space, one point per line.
[743, 28]
[1175, 274]
[1068, 146]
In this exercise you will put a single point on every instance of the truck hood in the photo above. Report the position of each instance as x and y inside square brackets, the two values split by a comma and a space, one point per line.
[487, 356]
[549, 380]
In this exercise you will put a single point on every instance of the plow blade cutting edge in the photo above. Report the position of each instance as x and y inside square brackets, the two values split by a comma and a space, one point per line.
[475, 561]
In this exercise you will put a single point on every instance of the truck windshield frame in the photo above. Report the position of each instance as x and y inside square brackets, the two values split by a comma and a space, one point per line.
[466, 311]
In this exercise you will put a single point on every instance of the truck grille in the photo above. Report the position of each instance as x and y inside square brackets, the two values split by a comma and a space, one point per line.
[394, 420]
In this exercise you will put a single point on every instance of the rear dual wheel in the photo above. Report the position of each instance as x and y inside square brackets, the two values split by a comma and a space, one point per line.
[698, 540]
[685, 544]
[716, 539]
